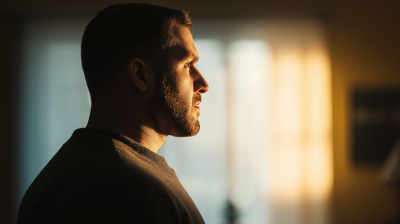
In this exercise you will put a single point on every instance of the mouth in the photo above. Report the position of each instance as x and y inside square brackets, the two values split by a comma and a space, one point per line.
[196, 105]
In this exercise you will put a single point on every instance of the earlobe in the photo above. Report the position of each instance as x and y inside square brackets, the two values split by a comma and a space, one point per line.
[138, 74]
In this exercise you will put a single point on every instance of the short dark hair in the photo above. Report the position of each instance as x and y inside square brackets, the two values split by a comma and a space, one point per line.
[122, 32]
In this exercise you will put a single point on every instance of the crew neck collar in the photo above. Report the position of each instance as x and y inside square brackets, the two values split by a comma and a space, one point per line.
[110, 135]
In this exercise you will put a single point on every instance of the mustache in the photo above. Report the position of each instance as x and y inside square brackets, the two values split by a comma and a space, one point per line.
[196, 98]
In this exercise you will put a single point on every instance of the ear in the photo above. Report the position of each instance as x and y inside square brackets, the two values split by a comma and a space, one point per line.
[139, 74]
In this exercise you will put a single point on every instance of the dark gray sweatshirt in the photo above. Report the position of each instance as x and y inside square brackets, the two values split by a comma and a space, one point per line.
[100, 176]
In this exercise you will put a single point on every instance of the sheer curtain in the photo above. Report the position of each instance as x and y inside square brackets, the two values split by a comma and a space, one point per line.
[264, 145]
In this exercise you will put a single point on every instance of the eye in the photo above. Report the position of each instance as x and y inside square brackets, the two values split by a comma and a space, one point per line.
[189, 64]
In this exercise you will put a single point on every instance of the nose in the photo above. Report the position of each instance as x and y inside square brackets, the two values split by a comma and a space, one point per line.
[200, 84]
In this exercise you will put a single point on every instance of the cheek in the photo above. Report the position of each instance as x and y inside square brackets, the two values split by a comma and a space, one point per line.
[187, 87]
[184, 84]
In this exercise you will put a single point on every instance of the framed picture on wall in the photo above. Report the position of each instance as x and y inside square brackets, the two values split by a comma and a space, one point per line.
[375, 123]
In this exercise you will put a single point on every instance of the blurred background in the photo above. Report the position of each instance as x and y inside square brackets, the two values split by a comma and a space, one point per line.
[300, 125]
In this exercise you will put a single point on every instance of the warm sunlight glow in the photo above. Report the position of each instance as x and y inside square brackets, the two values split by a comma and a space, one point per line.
[302, 161]
[319, 168]
[280, 126]
[288, 123]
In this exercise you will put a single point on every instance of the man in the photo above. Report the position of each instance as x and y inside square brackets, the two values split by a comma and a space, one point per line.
[139, 62]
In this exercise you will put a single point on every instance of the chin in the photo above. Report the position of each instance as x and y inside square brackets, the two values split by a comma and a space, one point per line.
[196, 129]
[187, 129]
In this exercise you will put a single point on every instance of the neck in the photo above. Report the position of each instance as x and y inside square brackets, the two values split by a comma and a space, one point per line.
[132, 124]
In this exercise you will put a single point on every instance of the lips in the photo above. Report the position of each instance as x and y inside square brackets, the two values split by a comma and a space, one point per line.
[197, 99]
[197, 108]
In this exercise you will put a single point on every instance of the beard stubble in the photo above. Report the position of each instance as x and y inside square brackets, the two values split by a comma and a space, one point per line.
[176, 111]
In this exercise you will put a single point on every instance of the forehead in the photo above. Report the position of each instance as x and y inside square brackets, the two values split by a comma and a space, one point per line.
[183, 46]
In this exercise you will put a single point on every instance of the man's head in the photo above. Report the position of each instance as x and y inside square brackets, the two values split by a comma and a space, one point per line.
[153, 46]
